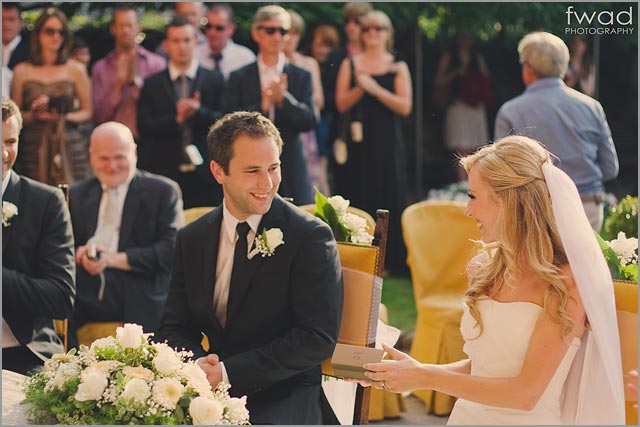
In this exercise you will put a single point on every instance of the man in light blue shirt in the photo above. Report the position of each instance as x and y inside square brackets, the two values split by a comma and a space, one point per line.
[572, 125]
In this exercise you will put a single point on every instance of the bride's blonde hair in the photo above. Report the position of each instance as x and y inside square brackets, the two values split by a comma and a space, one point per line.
[527, 238]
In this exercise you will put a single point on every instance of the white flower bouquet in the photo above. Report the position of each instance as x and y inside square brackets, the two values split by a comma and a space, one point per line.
[128, 380]
[347, 227]
[9, 210]
[622, 256]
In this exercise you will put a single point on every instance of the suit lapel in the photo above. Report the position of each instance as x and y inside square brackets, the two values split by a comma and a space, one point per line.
[92, 205]
[210, 253]
[12, 195]
[135, 196]
[271, 219]
[168, 86]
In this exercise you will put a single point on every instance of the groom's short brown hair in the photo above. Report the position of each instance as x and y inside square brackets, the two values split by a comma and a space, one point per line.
[225, 131]
[10, 109]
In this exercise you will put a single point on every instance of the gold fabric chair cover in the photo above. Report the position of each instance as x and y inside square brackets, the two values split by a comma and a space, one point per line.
[626, 294]
[437, 235]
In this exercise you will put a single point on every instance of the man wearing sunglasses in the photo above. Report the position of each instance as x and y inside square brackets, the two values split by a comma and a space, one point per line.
[221, 53]
[280, 91]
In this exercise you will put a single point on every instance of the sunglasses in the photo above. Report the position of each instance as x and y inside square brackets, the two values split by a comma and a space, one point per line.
[373, 27]
[52, 31]
[218, 28]
[354, 20]
[272, 30]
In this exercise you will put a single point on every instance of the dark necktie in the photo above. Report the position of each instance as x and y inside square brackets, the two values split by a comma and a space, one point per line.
[183, 90]
[239, 265]
[217, 57]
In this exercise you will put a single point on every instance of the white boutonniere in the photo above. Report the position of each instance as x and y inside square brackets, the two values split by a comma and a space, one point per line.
[267, 242]
[9, 210]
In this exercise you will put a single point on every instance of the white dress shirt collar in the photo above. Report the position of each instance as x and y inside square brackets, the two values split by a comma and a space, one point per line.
[229, 223]
[191, 72]
[9, 48]
[278, 68]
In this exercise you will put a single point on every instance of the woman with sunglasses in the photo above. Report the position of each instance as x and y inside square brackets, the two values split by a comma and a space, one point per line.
[54, 94]
[374, 90]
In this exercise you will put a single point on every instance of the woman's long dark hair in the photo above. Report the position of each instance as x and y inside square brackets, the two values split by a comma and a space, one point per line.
[35, 56]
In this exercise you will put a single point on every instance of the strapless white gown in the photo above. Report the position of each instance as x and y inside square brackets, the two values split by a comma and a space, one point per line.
[500, 352]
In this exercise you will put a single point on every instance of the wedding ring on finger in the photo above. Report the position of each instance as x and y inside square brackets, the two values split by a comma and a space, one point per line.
[269, 92]
[384, 386]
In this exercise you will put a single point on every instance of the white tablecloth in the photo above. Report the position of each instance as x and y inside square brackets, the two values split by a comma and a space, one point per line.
[13, 412]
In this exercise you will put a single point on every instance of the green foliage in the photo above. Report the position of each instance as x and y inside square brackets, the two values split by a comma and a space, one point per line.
[618, 272]
[622, 217]
[326, 212]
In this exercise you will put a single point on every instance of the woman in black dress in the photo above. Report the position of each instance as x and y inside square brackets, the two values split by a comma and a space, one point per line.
[374, 91]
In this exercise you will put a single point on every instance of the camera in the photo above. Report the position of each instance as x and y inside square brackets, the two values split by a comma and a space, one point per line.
[92, 252]
[62, 104]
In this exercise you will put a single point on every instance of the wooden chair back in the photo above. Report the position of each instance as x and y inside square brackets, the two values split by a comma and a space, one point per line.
[362, 293]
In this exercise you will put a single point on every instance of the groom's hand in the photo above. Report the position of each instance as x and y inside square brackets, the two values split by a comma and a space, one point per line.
[210, 364]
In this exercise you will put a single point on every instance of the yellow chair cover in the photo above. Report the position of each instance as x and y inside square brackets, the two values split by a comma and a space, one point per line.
[89, 332]
[62, 330]
[192, 214]
[626, 294]
[437, 235]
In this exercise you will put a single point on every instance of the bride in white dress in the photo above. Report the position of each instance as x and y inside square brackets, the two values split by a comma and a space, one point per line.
[539, 319]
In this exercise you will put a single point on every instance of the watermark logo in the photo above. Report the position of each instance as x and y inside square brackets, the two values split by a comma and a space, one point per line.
[603, 22]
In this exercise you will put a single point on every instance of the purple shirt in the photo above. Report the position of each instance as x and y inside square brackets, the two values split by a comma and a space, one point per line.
[122, 106]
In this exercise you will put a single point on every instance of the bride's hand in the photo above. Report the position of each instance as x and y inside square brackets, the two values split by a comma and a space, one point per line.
[402, 374]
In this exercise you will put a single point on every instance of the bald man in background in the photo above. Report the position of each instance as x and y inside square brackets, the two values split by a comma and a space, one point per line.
[125, 223]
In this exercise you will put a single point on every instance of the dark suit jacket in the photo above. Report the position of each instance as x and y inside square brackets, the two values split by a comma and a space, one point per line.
[20, 54]
[281, 323]
[38, 267]
[151, 216]
[160, 136]
[295, 116]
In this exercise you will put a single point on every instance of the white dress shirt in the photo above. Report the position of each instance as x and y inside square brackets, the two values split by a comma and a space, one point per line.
[121, 191]
[234, 56]
[224, 264]
[7, 50]
[191, 72]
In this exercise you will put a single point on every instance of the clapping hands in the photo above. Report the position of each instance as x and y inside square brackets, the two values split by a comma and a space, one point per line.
[273, 92]
[187, 107]
[367, 83]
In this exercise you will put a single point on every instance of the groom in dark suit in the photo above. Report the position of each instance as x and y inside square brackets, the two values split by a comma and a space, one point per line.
[131, 217]
[280, 91]
[271, 316]
[37, 259]
[177, 107]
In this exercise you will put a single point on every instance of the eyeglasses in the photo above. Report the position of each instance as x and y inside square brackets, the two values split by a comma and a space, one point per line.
[373, 27]
[52, 31]
[354, 20]
[272, 30]
[218, 28]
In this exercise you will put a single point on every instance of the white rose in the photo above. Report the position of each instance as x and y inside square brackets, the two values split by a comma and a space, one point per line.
[103, 343]
[274, 238]
[130, 336]
[167, 360]
[339, 203]
[64, 373]
[136, 389]
[354, 222]
[237, 409]
[167, 392]
[138, 372]
[93, 381]
[205, 411]
[196, 379]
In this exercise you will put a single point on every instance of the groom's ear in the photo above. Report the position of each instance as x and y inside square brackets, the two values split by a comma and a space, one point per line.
[217, 172]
